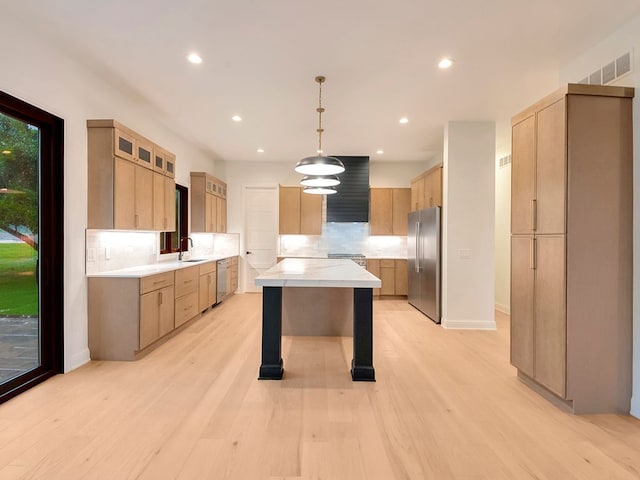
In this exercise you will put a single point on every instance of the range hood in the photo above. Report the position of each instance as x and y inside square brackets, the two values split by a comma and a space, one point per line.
[351, 203]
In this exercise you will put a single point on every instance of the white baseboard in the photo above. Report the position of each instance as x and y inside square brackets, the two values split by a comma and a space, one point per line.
[77, 360]
[635, 406]
[468, 324]
[506, 309]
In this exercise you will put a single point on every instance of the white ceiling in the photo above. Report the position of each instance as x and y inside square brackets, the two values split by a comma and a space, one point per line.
[379, 57]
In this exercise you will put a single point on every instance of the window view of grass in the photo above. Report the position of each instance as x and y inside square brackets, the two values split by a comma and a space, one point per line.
[18, 286]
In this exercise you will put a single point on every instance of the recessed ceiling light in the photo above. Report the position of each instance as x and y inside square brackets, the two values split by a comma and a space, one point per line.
[380, 152]
[404, 120]
[445, 63]
[260, 150]
[195, 58]
[236, 118]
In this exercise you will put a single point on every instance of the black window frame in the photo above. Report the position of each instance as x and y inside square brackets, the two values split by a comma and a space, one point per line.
[182, 221]
[51, 244]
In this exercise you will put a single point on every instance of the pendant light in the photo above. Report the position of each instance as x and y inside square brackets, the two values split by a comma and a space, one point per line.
[320, 190]
[320, 181]
[319, 164]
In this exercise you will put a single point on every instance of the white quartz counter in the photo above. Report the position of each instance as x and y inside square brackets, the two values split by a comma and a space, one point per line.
[155, 268]
[317, 272]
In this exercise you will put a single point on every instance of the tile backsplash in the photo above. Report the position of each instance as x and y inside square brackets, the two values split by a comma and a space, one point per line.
[343, 238]
[115, 249]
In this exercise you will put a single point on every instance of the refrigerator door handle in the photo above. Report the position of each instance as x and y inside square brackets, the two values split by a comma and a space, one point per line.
[417, 247]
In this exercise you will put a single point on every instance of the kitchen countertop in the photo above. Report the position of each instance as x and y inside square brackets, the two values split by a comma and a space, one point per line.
[317, 272]
[155, 268]
[366, 257]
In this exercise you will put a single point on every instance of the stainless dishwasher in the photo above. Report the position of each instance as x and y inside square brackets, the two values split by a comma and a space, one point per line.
[221, 279]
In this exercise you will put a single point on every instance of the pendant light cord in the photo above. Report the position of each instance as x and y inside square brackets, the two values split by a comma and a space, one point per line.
[320, 80]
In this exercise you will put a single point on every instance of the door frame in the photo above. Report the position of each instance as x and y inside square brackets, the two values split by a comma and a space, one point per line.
[245, 188]
[50, 245]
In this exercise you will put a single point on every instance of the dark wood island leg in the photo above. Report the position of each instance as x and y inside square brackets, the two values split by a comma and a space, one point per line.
[271, 367]
[362, 363]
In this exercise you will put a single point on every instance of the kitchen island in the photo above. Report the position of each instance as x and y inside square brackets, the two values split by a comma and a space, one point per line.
[319, 274]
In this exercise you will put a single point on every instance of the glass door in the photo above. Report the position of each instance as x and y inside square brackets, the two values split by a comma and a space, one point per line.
[31, 202]
[19, 214]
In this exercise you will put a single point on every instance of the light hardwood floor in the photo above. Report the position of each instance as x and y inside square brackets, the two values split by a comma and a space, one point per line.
[446, 405]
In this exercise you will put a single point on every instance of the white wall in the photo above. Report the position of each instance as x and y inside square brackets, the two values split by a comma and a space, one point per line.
[624, 39]
[503, 234]
[468, 297]
[37, 71]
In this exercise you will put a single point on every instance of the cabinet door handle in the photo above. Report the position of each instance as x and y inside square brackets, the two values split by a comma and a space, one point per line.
[135, 218]
[159, 298]
[188, 308]
[534, 214]
[532, 254]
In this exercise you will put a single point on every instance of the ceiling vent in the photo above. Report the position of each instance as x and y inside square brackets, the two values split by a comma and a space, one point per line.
[611, 72]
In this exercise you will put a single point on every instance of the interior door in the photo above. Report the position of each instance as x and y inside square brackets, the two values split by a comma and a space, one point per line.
[261, 238]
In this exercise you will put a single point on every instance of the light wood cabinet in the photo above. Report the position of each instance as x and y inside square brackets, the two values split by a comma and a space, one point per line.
[187, 304]
[571, 247]
[392, 273]
[388, 277]
[233, 270]
[299, 213]
[389, 210]
[164, 203]
[156, 315]
[426, 189]
[207, 286]
[401, 277]
[122, 187]
[208, 203]
[381, 211]
[127, 315]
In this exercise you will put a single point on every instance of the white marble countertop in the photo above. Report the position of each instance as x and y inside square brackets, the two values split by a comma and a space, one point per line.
[317, 272]
[155, 268]
[366, 257]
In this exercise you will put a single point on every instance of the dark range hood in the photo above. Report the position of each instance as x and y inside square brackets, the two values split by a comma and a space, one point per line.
[351, 203]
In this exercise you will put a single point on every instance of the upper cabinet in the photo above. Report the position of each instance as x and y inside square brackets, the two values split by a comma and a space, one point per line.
[389, 210]
[126, 188]
[300, 213]
[208, 203]
[426, 189]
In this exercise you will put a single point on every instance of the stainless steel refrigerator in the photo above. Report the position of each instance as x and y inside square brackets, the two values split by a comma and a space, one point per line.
[423, 245]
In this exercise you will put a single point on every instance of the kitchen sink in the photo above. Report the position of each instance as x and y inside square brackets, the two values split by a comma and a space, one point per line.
[191, 260]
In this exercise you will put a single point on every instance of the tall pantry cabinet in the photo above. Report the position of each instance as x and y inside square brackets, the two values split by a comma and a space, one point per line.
[571, 247]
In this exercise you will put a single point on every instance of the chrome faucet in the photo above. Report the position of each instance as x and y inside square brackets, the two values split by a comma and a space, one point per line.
[180, 252]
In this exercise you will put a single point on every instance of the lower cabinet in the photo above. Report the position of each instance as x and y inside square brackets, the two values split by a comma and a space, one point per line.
[127, 315]
[207, 286]
[187, 306]
[156, 315]
[392, 273]
[234, 275]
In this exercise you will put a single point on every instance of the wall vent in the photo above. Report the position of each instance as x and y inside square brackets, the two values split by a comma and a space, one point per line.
[504, 161]
[610, 72]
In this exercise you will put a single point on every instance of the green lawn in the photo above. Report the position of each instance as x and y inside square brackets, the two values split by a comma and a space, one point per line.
[18, 289]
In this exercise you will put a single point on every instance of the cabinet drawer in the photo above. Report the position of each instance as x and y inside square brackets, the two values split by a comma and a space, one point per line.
[154, 282]
[208, 267]
[187, 280]
[186, 308]
[387, 263]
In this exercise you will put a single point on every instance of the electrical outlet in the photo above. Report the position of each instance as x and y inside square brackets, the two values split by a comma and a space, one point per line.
[91, 254]
[464, 253]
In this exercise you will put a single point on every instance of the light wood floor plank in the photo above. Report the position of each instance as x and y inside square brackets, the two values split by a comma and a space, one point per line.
[446, 405]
